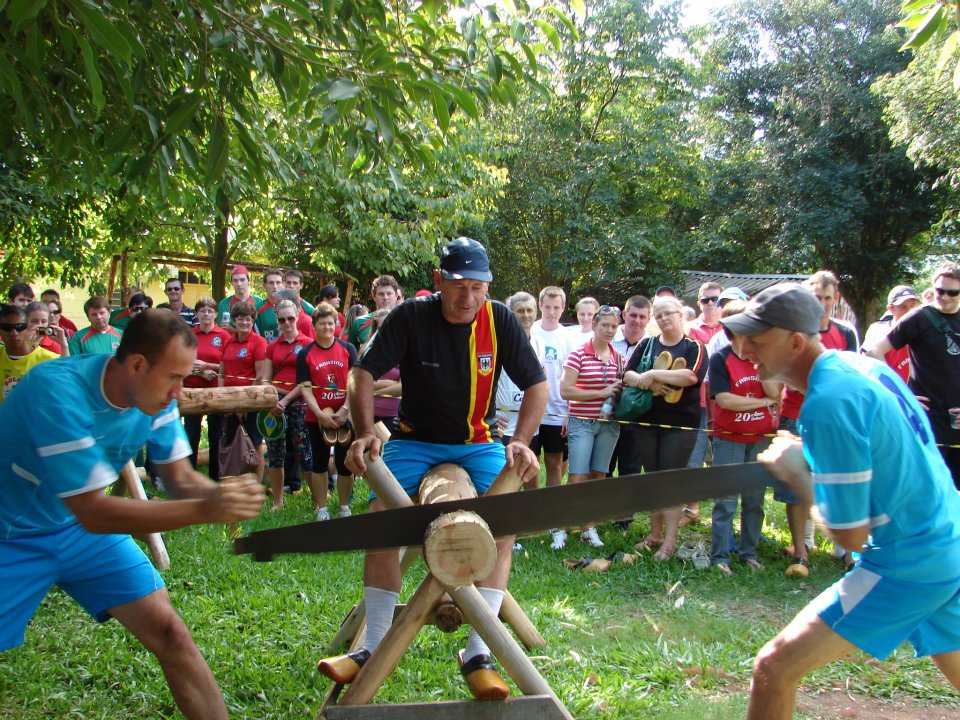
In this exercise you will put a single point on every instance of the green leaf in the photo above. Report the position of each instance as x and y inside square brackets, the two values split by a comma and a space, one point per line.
[384, 122]
[947, 51]
[396, 179]
[440, 111]
[23, 11]
[578, 7]
[913, 5]
[93, 74]
[550, 33]
[343, 89]
[930, 24]
[956, 78]
[218, 152]
[494, 67]
[104, 33]
[465, 101]
[180, 112]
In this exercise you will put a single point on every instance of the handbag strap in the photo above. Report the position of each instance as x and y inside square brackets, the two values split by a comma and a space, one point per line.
[646, 360]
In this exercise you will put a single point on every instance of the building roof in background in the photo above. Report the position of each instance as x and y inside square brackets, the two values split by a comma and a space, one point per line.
[750, 284]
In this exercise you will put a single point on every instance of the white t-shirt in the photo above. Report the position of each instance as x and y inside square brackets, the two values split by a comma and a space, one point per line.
[509, 396]
[556, 347]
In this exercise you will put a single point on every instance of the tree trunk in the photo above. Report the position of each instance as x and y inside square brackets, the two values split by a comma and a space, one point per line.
[220, 247]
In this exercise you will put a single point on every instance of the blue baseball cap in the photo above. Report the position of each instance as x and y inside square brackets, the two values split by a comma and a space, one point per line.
[732, 293]
[465, 259]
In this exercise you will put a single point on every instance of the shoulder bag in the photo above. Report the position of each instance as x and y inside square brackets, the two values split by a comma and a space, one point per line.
[634, 402]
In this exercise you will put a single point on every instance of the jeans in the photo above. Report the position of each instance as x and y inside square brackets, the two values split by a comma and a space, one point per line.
[591, 444]
[699, 454]
[727, 452]
[191, 423]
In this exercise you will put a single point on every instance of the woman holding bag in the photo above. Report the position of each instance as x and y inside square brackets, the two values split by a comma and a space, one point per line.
[591, 383]
[679, 368]
[280, 369]
[242, 363]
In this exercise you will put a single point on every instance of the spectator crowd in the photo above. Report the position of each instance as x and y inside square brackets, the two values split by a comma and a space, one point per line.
[709, 404]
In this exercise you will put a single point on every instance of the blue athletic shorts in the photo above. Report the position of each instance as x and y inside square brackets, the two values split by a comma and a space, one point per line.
[98, 571]
[877, 614]
[409, 460]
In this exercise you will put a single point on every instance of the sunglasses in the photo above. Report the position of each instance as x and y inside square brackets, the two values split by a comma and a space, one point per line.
[173, 289]
[287, 319]
[943, 291]
[609, 310]
[10, 327]
[138, 308]
[55, 312]
[708, 300]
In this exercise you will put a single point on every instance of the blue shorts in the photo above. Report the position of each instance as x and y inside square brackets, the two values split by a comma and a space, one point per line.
[877, 614]
[98, 571]
[409, 461]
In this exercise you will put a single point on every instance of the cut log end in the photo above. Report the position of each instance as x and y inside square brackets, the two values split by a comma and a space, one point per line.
[459, 549]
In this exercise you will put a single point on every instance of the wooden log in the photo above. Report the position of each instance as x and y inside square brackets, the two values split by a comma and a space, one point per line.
[459, 548]
[384, 485]
[507, 480]
[444, 482]
[512, 614]
[502, 644]
[381, 431]
[158, 550]
[348, 629]
[384, 659]
[247, 398]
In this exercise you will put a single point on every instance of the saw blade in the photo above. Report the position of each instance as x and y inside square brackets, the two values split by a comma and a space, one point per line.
[526, 512]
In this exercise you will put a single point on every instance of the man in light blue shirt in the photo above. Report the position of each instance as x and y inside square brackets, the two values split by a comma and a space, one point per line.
[867, 459]
[87, 417]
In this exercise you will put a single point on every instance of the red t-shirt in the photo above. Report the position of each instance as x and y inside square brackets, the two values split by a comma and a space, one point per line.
[592, 374]
[209, 349]
[731, 374]
[305, 325]
[699, 330]
[68, 325]
[48, 343]
[240, 358]
[283, 357]
[326, 369]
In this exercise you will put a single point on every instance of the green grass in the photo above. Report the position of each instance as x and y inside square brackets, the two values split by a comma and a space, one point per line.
[651, 640]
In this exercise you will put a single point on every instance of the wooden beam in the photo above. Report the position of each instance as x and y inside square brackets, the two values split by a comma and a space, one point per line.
[529, 707]
[154, 541]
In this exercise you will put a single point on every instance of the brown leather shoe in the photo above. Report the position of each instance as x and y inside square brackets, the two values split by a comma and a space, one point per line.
[483, 680]
[342, 669]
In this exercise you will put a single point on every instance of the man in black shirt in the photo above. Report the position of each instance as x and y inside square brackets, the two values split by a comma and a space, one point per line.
[932, 333]
[450, 348]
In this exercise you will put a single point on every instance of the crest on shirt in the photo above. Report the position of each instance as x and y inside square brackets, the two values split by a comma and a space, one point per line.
[217, 341]
[242, 353]
[485, 363]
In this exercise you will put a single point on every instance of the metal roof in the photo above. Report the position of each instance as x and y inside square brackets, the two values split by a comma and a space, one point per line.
[750, 284]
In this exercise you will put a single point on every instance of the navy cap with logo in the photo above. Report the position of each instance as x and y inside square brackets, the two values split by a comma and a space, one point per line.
[788, 306]
[900, 294]
[465, 259]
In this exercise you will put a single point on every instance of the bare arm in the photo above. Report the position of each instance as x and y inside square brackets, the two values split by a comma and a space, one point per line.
[360, 397]
[879, 350]
[228, 501]
[518, 452]
[570, 391]
[729, 401]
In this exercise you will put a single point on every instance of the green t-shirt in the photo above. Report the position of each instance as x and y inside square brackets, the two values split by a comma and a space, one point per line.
[119, 317]
[223, 308]
[266, 320]
[88, 341]
[360, 330]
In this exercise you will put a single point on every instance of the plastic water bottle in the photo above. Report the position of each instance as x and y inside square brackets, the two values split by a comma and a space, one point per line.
[606, 411]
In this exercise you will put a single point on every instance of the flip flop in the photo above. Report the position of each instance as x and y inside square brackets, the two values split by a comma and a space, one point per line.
[674, 395]
[588, 564]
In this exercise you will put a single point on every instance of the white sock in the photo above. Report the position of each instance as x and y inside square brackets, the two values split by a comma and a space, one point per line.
[808, 532]
[379, 605]
[475, 645]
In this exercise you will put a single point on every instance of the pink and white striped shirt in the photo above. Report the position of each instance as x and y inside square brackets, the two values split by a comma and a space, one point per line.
[592, 374]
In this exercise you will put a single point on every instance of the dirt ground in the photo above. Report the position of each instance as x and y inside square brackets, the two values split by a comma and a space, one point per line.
[839, 704]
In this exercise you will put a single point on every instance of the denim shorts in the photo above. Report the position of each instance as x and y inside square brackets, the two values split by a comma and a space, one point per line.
[591, 444]
[409, 461]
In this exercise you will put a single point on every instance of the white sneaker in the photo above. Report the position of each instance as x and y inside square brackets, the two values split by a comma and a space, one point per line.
[323, 514]
[559, 540]
[590, 536]
[345, 511]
